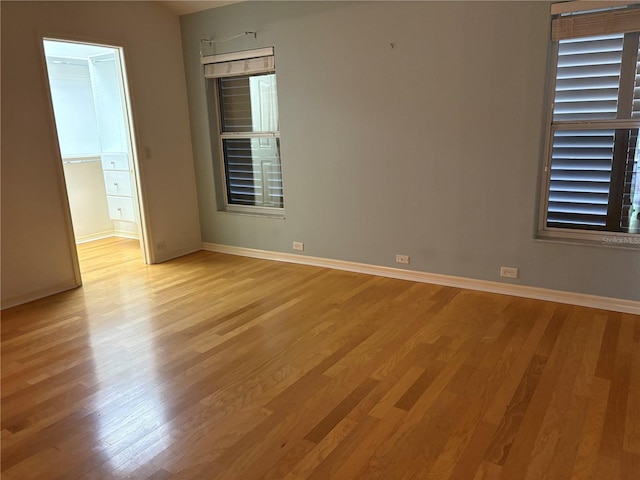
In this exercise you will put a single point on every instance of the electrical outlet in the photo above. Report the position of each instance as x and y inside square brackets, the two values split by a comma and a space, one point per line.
[298, 246]
[402, 259]
[509, 272]
[161, 245]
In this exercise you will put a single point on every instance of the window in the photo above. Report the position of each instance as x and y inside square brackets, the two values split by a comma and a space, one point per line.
[246, 103]
[592, 179]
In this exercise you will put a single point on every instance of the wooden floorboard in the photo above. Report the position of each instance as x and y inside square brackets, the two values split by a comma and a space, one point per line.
[215, 366]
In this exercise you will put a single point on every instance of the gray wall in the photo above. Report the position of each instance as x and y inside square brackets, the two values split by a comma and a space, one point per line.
[37, 245]
[430, 149]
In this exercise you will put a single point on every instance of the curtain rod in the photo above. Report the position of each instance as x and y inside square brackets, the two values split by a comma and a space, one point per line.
[211, 41]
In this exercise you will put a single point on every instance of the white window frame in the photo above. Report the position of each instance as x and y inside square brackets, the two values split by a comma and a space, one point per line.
[248, 62]
[572, 235]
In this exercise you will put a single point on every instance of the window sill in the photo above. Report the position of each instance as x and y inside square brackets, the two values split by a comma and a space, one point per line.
[591, 239]
[266, 214]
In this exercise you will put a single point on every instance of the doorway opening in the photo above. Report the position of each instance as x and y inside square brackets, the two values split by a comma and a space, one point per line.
[88, 88]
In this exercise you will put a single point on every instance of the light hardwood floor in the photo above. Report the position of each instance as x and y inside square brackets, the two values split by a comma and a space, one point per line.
[220, 367]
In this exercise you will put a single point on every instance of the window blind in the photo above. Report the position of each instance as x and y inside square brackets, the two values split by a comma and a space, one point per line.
[588, 78]
[249, 66]
[587, 84]
[250, 62]
[254, 174]
[235, 104]
[589, 88]
[598, 23]
[593, 142]
[250, 183]
[580, 178]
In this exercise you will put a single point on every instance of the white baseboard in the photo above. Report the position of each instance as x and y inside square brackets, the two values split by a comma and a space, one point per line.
[165, 256]
[15, 301]
[571, 298]
[30, 297]
[94, 236]
[125, 234]
[106, 234]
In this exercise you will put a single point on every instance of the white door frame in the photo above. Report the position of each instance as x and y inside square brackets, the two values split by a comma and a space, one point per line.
[140, 204]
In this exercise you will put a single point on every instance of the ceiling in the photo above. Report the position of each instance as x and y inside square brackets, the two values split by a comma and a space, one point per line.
[189, 6]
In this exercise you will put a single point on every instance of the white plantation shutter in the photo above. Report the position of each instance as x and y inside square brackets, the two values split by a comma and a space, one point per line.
[588, 78]
[587, 84]
[580, 177]
[591, 155]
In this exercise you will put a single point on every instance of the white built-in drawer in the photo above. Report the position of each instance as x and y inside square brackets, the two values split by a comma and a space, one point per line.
[121, 208]
[118, 183]
[115, 161]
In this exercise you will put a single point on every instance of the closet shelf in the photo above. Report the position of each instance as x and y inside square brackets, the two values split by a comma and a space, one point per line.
[89, 158]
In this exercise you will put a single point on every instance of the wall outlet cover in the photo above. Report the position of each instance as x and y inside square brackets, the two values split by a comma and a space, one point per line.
[404, 259]
[509, 272]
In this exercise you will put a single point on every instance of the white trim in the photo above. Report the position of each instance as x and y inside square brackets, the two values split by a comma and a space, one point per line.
[30, 297]
[132, 146]
[627, 241]
[125, 234]
[139, 197]
[230, 57]
[165, 256]
[571, 298]
[94, 236]
[106, 234]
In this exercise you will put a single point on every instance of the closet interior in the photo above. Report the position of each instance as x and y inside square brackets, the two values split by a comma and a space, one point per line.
[87, 92]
